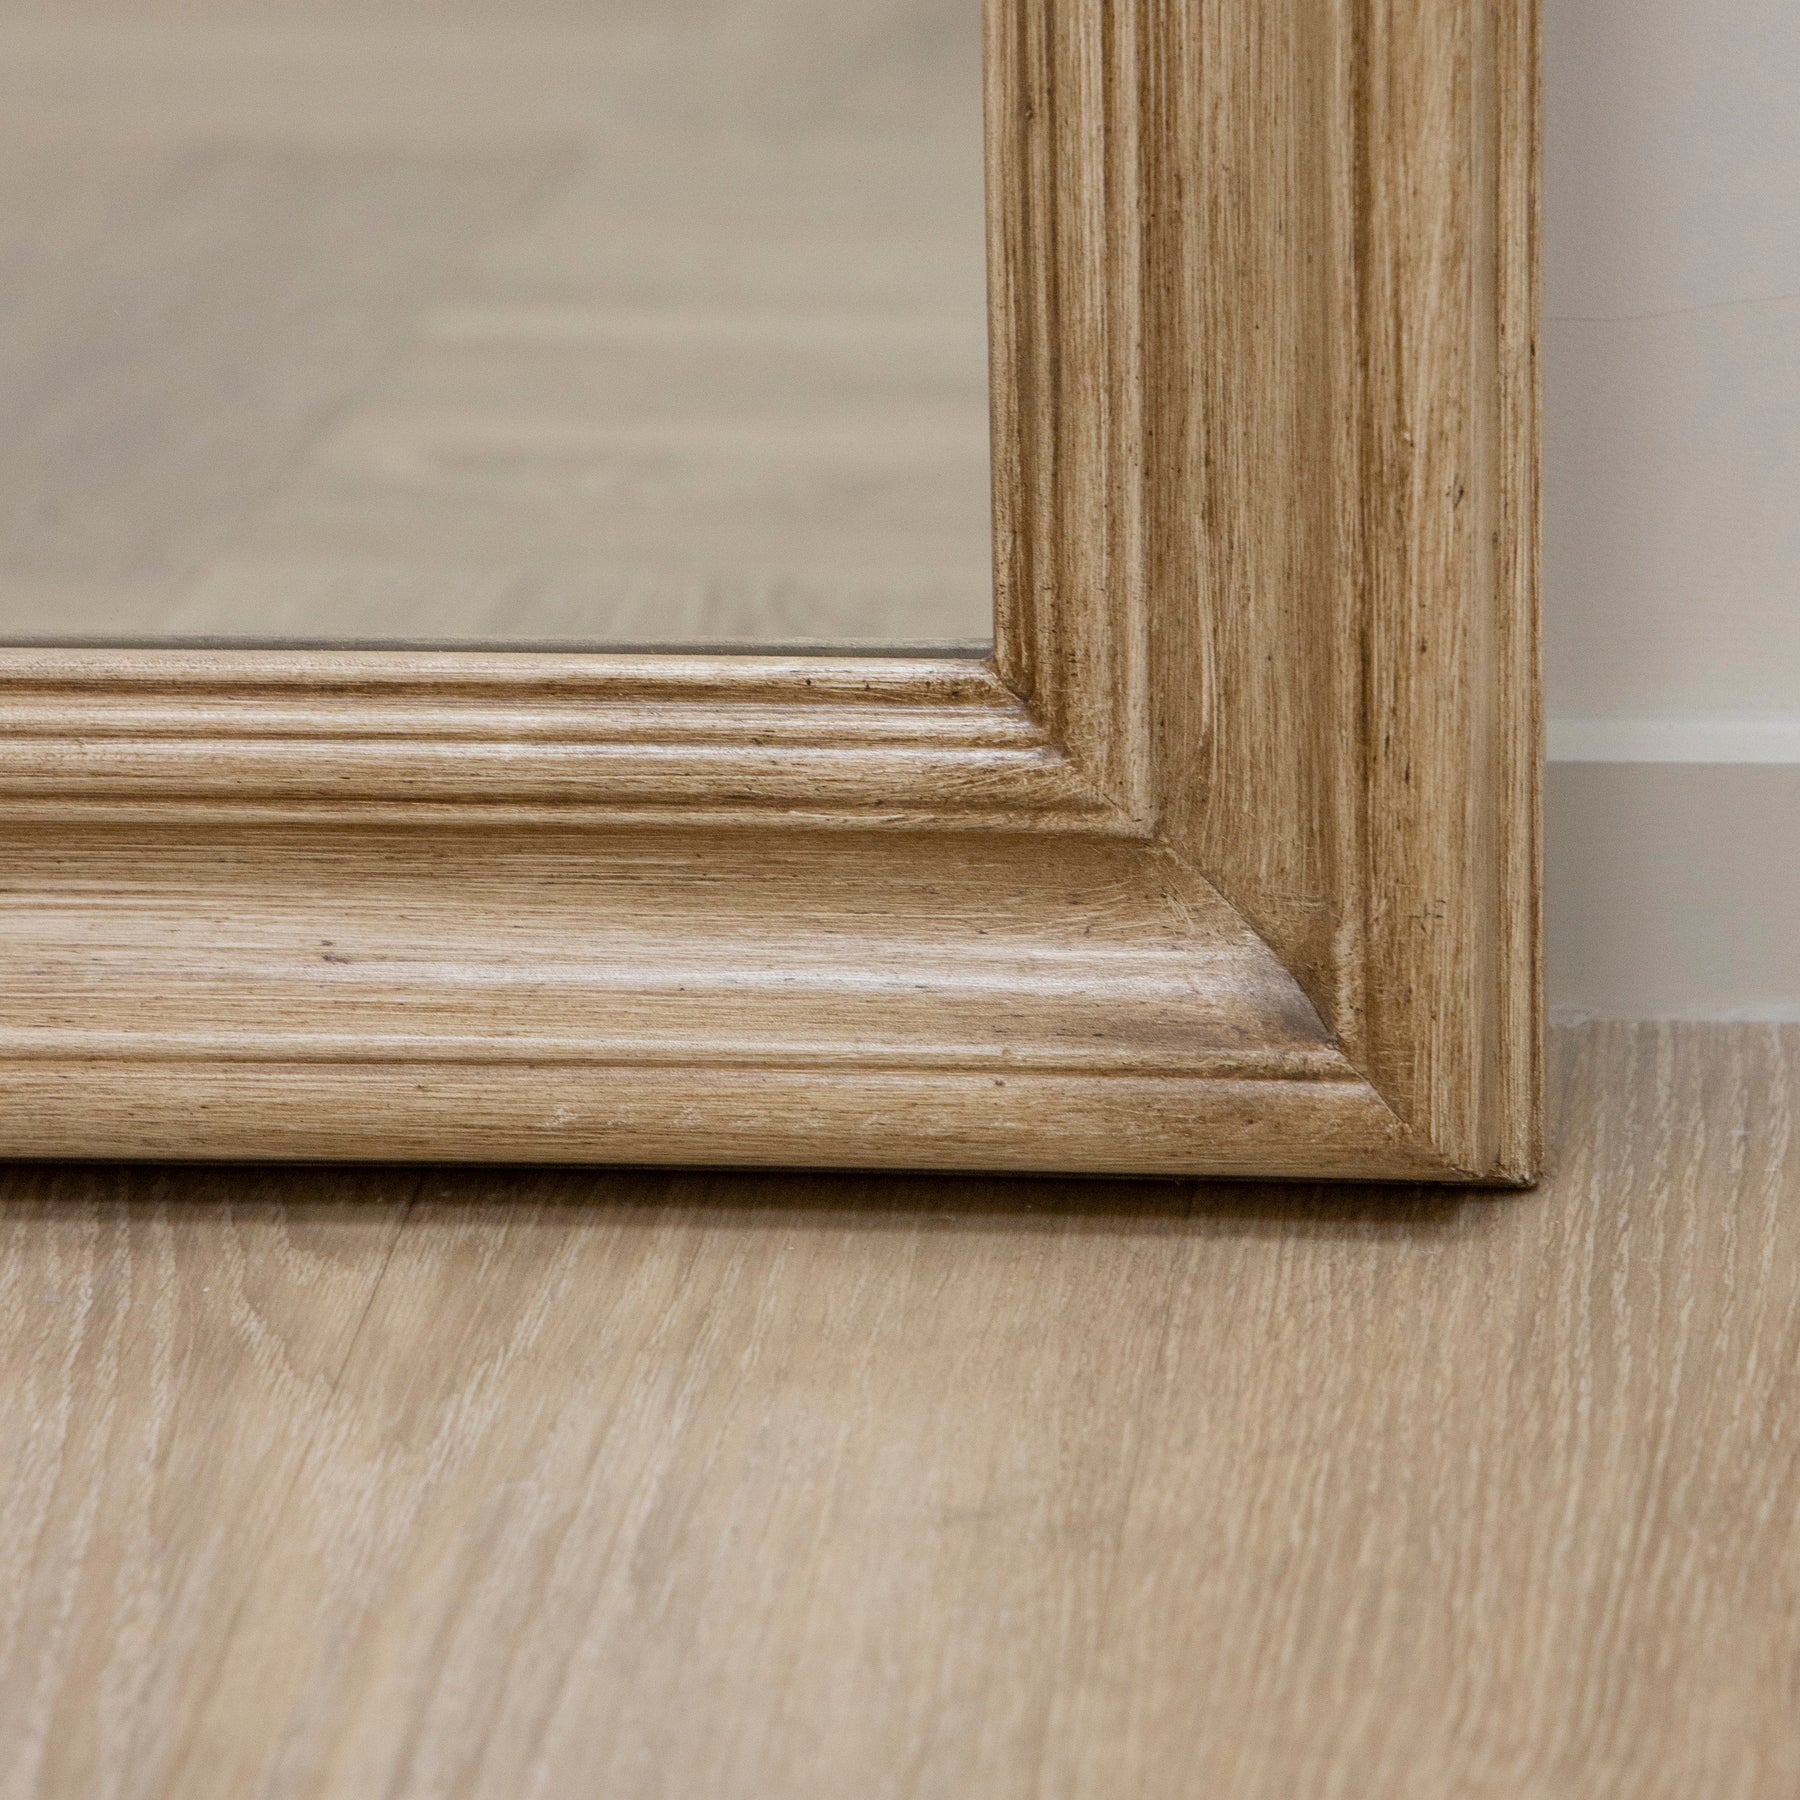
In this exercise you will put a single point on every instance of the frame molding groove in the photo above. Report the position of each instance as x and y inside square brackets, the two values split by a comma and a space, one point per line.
[1226, 864]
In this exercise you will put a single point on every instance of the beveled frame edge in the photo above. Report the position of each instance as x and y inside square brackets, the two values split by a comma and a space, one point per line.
[498, 738]
[1382, 1020]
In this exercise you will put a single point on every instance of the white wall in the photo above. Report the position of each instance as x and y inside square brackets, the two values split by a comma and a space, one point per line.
[1672, 497]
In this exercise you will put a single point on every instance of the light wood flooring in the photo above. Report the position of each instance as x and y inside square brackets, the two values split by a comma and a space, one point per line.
[646, 321]
[411, 1483]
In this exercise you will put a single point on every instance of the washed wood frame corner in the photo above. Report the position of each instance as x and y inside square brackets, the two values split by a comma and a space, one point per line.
[1225, 864]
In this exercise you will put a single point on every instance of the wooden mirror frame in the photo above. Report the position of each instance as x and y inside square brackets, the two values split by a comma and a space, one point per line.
[1226, 863]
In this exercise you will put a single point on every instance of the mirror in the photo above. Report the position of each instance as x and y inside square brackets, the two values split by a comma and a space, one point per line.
[546, 322]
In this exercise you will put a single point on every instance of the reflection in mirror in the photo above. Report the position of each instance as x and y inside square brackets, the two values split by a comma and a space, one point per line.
[502, 321]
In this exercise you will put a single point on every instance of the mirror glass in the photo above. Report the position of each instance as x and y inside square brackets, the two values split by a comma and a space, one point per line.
[533, 322]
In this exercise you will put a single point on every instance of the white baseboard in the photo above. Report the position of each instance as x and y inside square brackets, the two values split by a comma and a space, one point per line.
[1673, 887]
[1745, 738]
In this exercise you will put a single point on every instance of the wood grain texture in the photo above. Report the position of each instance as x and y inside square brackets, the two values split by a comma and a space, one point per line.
[1448, 546]
[1343, 526]
[1068, 209]
[509, 1483]
[300, 736]
[1264, 308]
[969, 1002]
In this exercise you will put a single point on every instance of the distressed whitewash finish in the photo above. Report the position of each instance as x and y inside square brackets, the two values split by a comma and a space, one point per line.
[1226, 862]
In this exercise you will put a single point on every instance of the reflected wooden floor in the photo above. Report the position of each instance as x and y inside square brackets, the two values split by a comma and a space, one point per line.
[473, 320]
[505, 1483]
